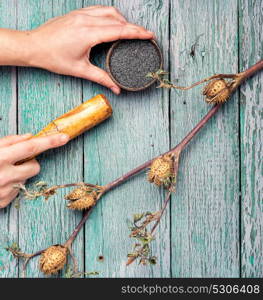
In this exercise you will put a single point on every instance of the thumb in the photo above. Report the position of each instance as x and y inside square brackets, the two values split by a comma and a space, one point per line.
[100, 76]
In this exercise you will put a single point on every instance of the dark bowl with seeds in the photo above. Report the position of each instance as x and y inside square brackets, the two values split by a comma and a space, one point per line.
[129, 61]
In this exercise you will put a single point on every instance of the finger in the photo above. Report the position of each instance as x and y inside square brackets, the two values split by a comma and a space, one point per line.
[92, 7]
[26, 170]
[13, 139]
[10, 174]
[105, 21]
[130, 31]
[33, 147]
[98, 75]
[52, 20]
[140, 29]
[105, 11]
[7, 194]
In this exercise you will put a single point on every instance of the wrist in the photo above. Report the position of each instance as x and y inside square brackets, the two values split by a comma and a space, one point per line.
[16, 48]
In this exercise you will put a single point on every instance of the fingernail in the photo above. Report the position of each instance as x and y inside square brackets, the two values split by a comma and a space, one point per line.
[115, 90]
[63, 138]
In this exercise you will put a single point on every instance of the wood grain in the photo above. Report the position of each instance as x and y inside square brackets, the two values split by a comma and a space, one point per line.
[251, 124]
[138, 130]
[208, 219]
[43, 97]
[205, 209]
[8, 108]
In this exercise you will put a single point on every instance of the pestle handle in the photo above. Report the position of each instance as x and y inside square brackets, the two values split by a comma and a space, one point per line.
[78, 120]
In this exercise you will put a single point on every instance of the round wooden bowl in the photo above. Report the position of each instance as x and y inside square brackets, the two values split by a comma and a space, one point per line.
[127, 88]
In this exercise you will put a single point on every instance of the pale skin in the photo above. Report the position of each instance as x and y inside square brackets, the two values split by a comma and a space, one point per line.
[62, 45]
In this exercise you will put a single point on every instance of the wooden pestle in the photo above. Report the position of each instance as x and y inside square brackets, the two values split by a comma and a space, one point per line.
[78, 120]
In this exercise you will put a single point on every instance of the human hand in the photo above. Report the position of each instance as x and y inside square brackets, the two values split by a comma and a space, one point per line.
[18, 147]
[63, 44]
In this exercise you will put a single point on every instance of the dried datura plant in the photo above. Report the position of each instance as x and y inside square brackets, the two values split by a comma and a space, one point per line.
[162, 172]
[219, 86]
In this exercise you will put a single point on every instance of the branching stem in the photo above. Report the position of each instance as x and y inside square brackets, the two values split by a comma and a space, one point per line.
[238, 80]
[178, 148]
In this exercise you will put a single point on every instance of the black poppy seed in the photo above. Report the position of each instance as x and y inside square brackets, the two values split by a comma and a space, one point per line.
[132, 60]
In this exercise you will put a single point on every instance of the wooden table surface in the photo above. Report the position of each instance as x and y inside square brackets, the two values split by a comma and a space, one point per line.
[214, 226]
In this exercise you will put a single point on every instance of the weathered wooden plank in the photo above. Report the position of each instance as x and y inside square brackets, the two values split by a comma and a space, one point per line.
[251, 123]
[42, 97]
[8, 125]
[138, 131]
[205, 209]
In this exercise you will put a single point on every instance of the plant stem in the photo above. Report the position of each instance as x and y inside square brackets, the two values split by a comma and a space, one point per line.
[27, 261]
[251, 71]
[195, 130]
[78, 227]
[177, 149]
[166, 201]
[216, 76]
[61, 186]
[238, 79]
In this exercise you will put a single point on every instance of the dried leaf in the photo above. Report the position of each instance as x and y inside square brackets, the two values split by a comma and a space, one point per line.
[138, 217]
[41, 184]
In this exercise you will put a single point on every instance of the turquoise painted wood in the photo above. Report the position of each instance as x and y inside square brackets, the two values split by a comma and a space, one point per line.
[213, 227]
[205, 209]
[8, 125]
[251, 124]
[120, 144]
[43, 96]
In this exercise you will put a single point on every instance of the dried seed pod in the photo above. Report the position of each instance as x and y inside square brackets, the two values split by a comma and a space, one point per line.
[214, 87]
[82, 203]
[53, 259]
[161, 171]
[77, 193]
[216, 91]
[220, 97]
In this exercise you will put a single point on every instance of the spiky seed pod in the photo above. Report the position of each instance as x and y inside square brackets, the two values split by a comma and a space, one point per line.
[83, 203]
[53, 259]
[77, 193]
[161, 171]
[214, 87]
[216, 91]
